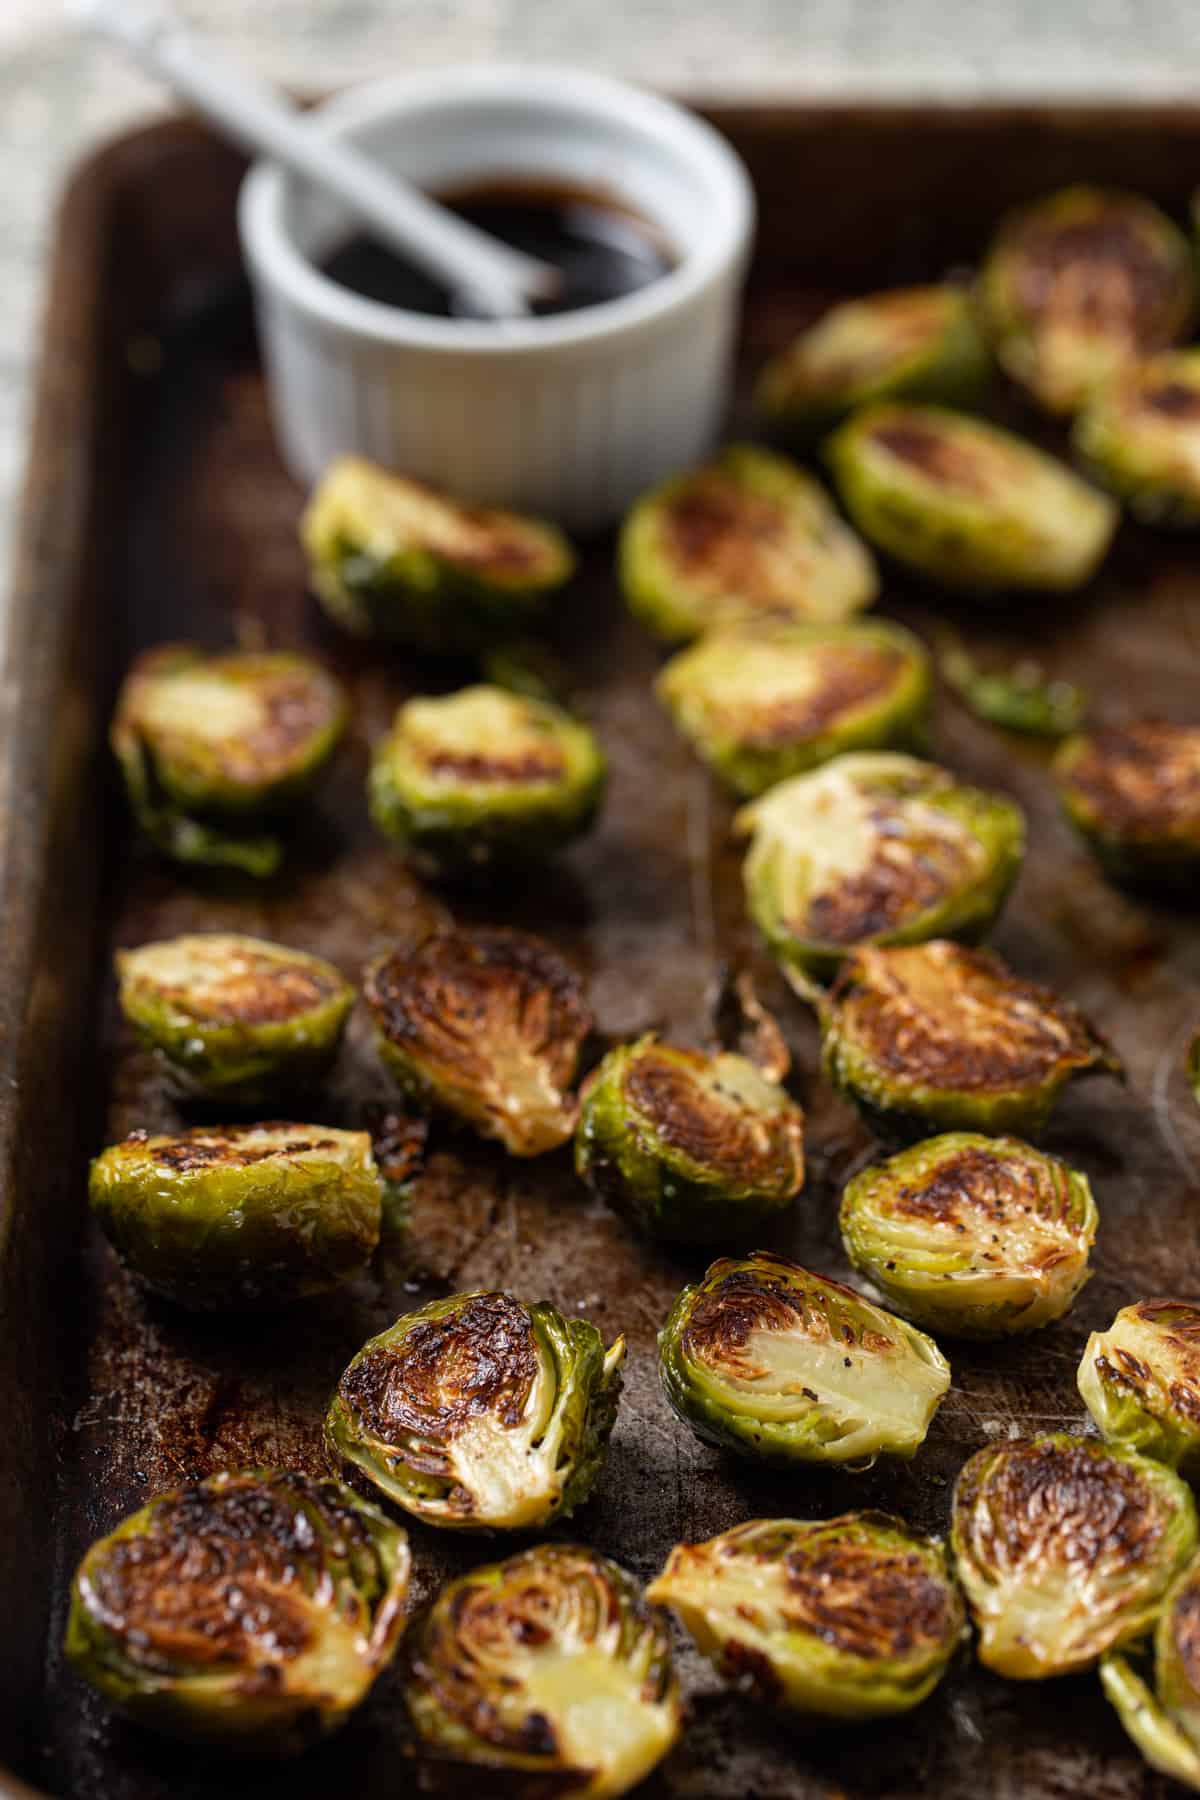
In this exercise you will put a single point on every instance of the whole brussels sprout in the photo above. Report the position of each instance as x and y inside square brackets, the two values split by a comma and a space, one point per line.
[918, 343]
[240, 1215]
[764, 1358]
[746, 536]
[876, 848]
[1164, 1720]
[763, 701]
[251, 1611]
[933, 1037]
[484, 776]
[234, 1017]
[847, 1618]
[1133, 794]
[967, 504]
[1065, 1548]
[688, 1147]
[549, 1664]
[392, 559]
[1140, 436]
[1140, 1380]
[479, 1412]
[209, 746]
[976, 1236]
[486, 1026]
[1079, 285]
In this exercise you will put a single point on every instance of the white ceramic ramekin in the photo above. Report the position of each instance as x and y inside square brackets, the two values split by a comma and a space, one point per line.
[571, 415]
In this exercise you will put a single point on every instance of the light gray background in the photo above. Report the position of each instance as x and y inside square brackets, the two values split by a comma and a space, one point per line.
[59, 94]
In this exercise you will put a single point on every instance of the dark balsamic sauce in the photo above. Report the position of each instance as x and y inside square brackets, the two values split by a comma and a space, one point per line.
[604, 249]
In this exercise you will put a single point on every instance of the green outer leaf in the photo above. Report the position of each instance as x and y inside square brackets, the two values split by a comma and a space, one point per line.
[1162, 1743]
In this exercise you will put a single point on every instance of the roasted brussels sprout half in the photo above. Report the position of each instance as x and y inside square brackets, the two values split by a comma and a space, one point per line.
[1133, 794]
[392, 559]
[763, 701]
[251, 1611]
[933, 1037]
[919, 343]
[848, 1618]
[1140, 1380]
[550, 1664]
[975, 1236]
[1140, 436]
[967, 504]
[1065, 1548]
[1079, 285]
[876, 848]
[484, 776]
[764, 1358]
[240, 1215]
[234, 1017]
[1022, 698]
[479, 1411]
[486, 1026]
[211, 746]
[688, 1147]
[1164, 1720]
[747, 536]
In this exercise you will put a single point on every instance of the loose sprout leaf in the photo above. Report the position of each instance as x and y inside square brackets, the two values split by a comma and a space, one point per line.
[549, 1663]
[390, 558]
[934, 1037]
[479, 1412]
[876, 848]
[1018, 699]
[240, 1215]
[918, 343]
[1163, 1743]
[1065, 1548]
[482, 776]
[847, 1618]
[486, 1026]
[252, 1610]
[234, 1016]
[763, 701]
[972, 1235]
[764, 1358]
[746, 536]
[1133, 793]
[1140, 436]
[1140, 1380]
[743, 1025]
[967, 504]
[1081, 284]
[689, 1147]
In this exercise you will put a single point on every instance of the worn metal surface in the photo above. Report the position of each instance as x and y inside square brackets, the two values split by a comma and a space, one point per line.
[159, 510]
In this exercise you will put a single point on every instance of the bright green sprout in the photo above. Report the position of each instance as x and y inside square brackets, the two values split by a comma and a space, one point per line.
[1133, 794]
[1018, 699]
[1140, 1380]
[1163, 1718]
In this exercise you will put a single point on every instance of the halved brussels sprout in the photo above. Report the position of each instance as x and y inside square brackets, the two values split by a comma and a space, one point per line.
[1065, 1548]
[919, 343]
[847, 1618]
[390, 558]
[1140, 1380]
[480, 1412]
[876, 848]
[211, 745]
[1164, 1720]
[251, 1611]
[240, 1215]
[766, 1359]
[484, 776]
[486, 1026]
[1079, 285]
[550, 1664]
[972, 1235]
[746, 536]
[763, 701]
[1022, 698]
[1133, 794]
[966, 503]
[234, 1016]
[933, 1037]
[689, 1147]
[1140, 436]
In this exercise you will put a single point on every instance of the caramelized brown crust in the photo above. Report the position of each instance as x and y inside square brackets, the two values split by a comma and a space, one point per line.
[1062, 1503]
[719, 533]
[851, 676]
[734, 1142]
[939, 456]
[212, 1147]
[1100, 272]
[259, 990]
[1138, 781]
[909, 875]
[737, 1301]
[863, 1601]
[977, 1188]
[1177, 1324]
[520, 768]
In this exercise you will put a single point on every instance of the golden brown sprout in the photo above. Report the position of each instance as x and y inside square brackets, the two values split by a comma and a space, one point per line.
[1140, 1380]
[1133, 793]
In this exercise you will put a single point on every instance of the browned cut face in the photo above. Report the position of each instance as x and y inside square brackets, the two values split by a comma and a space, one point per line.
[230, 1147]
[909, 875]
[738, 1301]
[1185, 1630]
[1102, 272]
[545, 762]
[865, 1601]
[849, 677]
[1171, 399]
[1065, 1504]
[685, 1105]
[259, 990]
[717, 533]
[938, 454]
[1140, 780]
